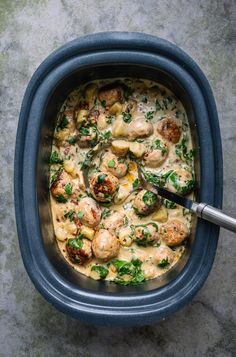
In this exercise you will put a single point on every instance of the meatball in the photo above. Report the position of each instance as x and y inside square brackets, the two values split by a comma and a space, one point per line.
[169, 129]
[62, 187]
[114, 221]
[105, 245]
[131, 106]
[109, 94]
[93, 116]
[180, 181]
[174, 232]
[163, 256]
[146, 234]
[79, 250]
[145, 202]
[89, 211]
[157, 155]
[139, 128]
[103, 186]
[88, 136]
[116, 166]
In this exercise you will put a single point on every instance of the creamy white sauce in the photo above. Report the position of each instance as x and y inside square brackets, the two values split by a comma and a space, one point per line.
[72, 156]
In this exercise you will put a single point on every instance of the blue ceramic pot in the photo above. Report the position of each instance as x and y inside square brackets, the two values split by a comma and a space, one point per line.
[108, 55]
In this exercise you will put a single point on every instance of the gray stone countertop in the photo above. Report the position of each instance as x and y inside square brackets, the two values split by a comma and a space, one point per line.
[30, 30]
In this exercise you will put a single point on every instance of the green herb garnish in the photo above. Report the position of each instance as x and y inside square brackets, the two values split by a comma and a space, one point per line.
[63, 123]
[163, 263]
[149, 198]
[55, 159]
[102, 178]
[127, 117]
[149, 115]
[136, 184]
[61, 199]
[106, 213]
[101, 270]
[68, 189]
[157, 145]
[133, 269]
[103, 103]
[70, 215]
[76, 243]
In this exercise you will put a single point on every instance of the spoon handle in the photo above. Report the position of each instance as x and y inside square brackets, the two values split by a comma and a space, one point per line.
[215, 216]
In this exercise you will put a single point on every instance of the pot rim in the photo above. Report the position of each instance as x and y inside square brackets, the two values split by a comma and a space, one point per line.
[121, 309]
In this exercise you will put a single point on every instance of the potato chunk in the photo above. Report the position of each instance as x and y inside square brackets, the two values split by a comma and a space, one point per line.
[120, 147]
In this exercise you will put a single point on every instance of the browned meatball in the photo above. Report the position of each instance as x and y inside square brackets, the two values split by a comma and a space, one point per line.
[139, 128]
[89, 212]
[116, 166]
[103, 186]
[131, 106]
[105, 245]
[169, 129]
[108, 95]
[62, 188]
[174, 232]
[145, 202]
[163, 256]
[156, 157]
[146, 234]
[93, 116]
[114, 221]
[79, 250]
[88, 136]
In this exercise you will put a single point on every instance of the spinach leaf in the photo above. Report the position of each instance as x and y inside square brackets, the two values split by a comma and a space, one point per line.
[149, 115]
[61, 199]
[68, 189]
[101, 270]
[133, 269]
[149, 198]
[63, 123]
[157, 145]
[136, 184]
[163, 263]
[55, 159]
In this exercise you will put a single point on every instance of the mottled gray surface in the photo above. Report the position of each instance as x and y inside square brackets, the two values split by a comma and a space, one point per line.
[30, 30]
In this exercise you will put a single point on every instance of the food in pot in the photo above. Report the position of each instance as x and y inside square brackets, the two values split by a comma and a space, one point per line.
[114, 229]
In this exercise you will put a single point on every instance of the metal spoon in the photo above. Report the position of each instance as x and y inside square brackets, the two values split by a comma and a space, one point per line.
[202, 210]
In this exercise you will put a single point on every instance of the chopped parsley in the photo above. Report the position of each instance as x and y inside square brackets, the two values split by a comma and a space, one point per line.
[103, 103]
[63, 123]
[106, 213]
[157, 145]
[70, 215]
[127, 117]
[76, 243]
[163, 263]
[149, 198]
[68, 189]
[127, 91]
[55, 159]
[101, 270]
[132, 269]
[149, 115]
[61, 199]
[136, 184]
[102, 178]
[169, 204]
